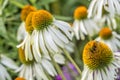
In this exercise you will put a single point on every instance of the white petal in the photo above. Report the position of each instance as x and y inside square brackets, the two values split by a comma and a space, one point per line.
[50, 41]
[40, 72]
[59, 58]
[76, 28]
[21, 33]
[42, 44]
[60, 35]
[4, 73]
[50, 69]
[8, 62]
[63, 28]
[56, 39]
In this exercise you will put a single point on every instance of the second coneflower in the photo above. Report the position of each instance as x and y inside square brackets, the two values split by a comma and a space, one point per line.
[21, 33]
[83, 26]
[30, 69]
[100, 63]
[109, 37]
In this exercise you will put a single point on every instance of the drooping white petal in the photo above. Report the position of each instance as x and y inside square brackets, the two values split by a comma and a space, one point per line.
[4, 74]
[40, 72]
[21, 33]
[60, 35]
[8, 62]
[42, 44]
[59, 58]
[50, 41]
[63, 29]
[76, 28]
[56, 39]
[50, 69]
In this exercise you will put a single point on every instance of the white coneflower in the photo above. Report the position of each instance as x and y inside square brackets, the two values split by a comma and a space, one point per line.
[109, 37]
[83, 26]
[21, 33]
[100, 63]
[97, 7]
[31, 70]
[49, 35]
[6, 62]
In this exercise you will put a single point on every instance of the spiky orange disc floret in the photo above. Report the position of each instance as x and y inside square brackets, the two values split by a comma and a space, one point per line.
[41, 19]
[97, 55]
[20, 78]
[80, 12]
[26, 10]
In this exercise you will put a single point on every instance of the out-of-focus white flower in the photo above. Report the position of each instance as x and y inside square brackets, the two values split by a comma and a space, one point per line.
[83, 26]
[6, 62]
[107, 20]
[109, 37]
[31, 69]
[100, 63]
[98, 7]
[21, 33]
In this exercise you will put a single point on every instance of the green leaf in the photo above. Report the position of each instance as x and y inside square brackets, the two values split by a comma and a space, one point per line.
[44, 2]
[63, 18]
[15, 2]
[3, 31]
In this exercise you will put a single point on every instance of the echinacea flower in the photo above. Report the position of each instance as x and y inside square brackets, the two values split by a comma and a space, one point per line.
[6, 62]
[109, 37]
[30, 69]
[83, 26]
[49, 35]
[98, 7]
[100, 63]
[21, 33]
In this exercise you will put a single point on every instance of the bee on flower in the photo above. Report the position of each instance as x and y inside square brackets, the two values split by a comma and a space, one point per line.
[82, 25]
[6, 62]
[100, 63]
[109, 37]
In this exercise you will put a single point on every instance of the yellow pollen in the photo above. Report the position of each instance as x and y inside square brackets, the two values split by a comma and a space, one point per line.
[105, 33]
[22, 57]
[97, 55]
[28, 23]
[26, 10]
[19, 78]
[41, 19]
[80, 12]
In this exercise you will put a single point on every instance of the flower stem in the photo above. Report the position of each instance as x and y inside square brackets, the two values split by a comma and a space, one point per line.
[58, 68]
[72, 61]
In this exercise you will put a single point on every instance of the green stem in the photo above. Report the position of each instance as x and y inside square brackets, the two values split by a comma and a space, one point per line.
[72, 61]
[48, 76]
[58, 68]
